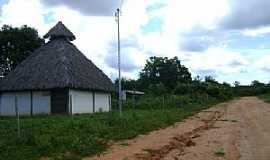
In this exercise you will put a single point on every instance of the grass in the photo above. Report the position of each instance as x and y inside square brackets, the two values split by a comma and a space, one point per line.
[74, 137]
[265, 97]
[220, 152]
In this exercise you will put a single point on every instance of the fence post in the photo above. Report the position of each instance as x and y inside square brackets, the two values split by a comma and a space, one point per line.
[163, 102]
[133, 99]
[18, 117]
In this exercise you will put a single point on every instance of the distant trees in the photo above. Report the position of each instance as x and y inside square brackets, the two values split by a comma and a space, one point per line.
[209, 87]
[15, 45]
[127, 84]
[210, 79]
[236, 83]
[255, 88]
[257, 83]
[163, 70]
[164, 76]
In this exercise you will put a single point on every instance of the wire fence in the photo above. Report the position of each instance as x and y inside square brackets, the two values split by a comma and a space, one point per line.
[161, 102]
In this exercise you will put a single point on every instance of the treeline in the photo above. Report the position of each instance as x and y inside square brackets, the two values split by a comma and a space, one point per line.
[255, 88]
[164, 77]
[168, 83]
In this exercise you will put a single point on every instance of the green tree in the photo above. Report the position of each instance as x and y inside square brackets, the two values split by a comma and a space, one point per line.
[16, 44]
[157, 89]
[236, 83]
[257, 83]
[210, 79]
[163, 70]
[127, 84]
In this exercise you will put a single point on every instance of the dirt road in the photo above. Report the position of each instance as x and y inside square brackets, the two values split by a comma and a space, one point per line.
[238, 130]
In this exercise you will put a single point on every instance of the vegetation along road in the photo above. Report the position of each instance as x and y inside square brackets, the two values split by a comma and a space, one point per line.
[239, 129]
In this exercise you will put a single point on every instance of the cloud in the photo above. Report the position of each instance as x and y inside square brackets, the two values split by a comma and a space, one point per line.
[247, 14]
[18, 13]
[218, 61]
[196, 44]
[89, 7]
[130, 55]
[199, 39]
[2, 2]
[127, 63]
[236, 63]
[263, 64]
[169, 28]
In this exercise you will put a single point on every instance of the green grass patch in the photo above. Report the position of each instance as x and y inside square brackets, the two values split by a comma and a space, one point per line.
[265, 97]
[220, 152]
[73, 137]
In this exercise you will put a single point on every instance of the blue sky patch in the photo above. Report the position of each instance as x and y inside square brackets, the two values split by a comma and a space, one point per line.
[153, 25]
[2, 2]
[155, 6]
[49, 17]
[245, 42]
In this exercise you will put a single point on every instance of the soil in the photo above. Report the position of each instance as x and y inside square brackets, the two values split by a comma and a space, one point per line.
[237, 130]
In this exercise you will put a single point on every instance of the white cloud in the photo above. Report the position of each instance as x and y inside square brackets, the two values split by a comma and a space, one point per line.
[247, 14]
[222, 61]
[92, 8]
[180, 19]
[29, 12]
[263, 64]
[256, 32]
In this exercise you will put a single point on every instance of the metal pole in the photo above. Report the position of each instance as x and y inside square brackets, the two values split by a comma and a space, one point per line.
[119, 62]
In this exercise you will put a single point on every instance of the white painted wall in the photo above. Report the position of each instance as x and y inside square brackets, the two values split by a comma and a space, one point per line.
[7, 106]
[24, 103]
[81, 101]
[102, 102]
[41, 102]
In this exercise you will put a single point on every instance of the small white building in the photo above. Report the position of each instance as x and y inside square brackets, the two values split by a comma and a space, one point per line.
[55, 79]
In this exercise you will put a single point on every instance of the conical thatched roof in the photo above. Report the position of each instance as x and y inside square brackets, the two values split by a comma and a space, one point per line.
[57, 64]
[60, 30]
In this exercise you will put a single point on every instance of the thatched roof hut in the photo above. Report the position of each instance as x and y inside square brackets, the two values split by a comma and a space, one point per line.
[57, 67]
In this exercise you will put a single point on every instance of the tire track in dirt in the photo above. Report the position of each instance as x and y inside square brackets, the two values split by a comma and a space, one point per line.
[180, 142]
[237, 130]
[158, 144]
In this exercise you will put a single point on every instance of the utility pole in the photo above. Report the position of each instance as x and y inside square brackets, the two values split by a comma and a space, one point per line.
[117, 15]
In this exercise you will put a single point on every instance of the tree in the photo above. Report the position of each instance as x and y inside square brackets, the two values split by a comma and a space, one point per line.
[257, 83]
[225, 84]
[163, 70]
[236, 83]
[157, 89]
[210, 79]
[127, 84]
[15, 45]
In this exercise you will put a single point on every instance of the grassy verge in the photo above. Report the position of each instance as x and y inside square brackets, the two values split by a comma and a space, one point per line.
[265, 97]
[73, 137]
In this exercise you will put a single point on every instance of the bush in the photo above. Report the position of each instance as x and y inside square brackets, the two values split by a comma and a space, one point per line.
[182, 89]
[195, 89]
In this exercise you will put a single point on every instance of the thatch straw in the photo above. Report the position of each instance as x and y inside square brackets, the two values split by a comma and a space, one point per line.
[57, 64]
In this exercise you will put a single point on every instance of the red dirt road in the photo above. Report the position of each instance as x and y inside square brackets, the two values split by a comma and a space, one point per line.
[237, 130]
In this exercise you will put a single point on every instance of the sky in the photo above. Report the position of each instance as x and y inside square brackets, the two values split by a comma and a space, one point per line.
[226, 39]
